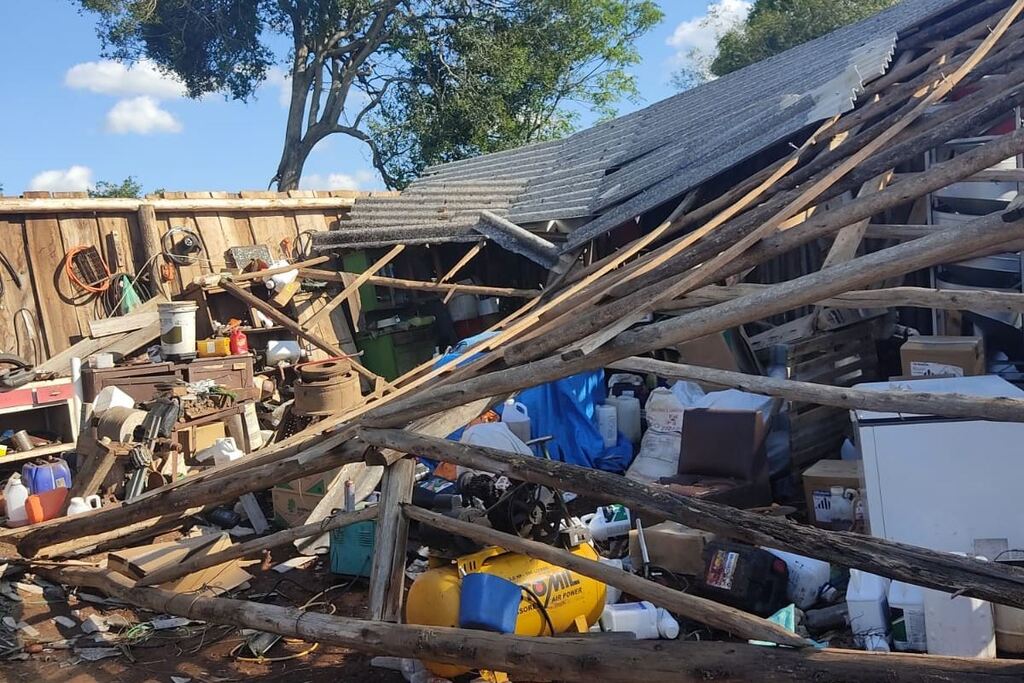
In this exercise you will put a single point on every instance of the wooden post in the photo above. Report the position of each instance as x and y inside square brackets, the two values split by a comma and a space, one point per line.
[459, 265]
[690, 606]
[929, 568]
[387, 574]
[907, 402]
[149, 231]
[255, 546]
[420, 285]
[583, 659]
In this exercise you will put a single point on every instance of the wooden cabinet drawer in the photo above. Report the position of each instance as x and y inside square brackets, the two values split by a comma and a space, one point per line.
[54, 394]
[15, 398]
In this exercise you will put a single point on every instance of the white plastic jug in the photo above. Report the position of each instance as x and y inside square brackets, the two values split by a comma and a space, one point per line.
[15, 495]
[517, 417]
[907, 618]
[276, 282]
[608, 424]
[664, 411]
[807, 576]
[627, 407]
[609, 521]
[867, 606]
[79, 504]
[959, 627]
[642, 619]
[223, 450]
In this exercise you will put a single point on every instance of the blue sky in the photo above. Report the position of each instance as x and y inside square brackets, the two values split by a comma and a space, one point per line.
[70, 119]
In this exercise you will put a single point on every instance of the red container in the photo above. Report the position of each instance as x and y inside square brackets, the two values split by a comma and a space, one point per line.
[45, 506]
[239, 342]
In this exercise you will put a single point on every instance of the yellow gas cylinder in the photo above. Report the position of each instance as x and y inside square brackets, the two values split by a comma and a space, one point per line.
[568, 598]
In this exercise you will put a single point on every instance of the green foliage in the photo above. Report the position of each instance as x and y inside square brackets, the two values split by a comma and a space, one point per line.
[129, 188]
[774, 26]
[419, 81]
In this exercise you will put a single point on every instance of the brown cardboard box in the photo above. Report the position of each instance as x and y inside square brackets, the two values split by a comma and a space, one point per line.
[944, 356]
[295, 500]
[819, 479]
[671, 546]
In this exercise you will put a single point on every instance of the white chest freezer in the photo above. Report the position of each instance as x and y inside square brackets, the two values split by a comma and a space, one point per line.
[944, 483]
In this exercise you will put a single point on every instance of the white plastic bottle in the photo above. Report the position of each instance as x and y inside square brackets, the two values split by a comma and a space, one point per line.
[807, 577]
[642, 619]
[517, 417]
[907, 617]
[608, 424]
[608, 521]
[867, 606]
[15, 495]
[628, 407]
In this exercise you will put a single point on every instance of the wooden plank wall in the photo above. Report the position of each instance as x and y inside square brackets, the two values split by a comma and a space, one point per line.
[36, 245]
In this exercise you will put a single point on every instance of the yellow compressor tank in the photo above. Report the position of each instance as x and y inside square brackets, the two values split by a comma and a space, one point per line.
[569, 598]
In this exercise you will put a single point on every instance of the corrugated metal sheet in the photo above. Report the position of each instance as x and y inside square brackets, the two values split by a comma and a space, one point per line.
[624, 167]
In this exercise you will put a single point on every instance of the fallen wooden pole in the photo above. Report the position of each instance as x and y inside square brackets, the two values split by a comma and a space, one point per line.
[692, 607]
[895, 401]
[943, 571]
[583, 658]
[192, 494]
[422, 285]
[257, 545]
[266, 272]
[890, 297]
[648, 286]
[121, 537]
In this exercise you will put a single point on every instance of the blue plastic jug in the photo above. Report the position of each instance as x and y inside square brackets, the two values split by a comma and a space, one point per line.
[41, 477]
[489, 603]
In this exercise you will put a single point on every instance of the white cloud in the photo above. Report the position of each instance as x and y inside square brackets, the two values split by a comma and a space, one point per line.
[73, 179]
[358, 180]
[696, 41]
[141, 115]
[116, 78]
[279, 78]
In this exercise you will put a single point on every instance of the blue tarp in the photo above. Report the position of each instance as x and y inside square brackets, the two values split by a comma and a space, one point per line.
[565, 410]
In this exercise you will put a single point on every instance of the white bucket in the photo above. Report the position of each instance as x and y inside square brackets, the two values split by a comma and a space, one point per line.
[178, 329]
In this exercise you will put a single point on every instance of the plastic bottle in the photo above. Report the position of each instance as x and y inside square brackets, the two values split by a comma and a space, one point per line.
[79, 504]
[627, 407]
[642, 619]
[907, 618]
[517, 417]
[609, 521]
[42, 507]
[239, 342]
[807, 577]
[46, 476]
[15, 495]
[608, 424]
[866, 603]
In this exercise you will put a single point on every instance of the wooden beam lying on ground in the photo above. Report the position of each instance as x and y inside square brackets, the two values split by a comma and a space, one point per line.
[189, 495]
[889, 297]
[894, 401]
[943, 571]
[255, 546]
[584, 659]
[423, 286]
[121, 537]
[693, 607]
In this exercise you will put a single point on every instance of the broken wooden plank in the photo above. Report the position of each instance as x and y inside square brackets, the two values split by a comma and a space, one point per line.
[104, 327]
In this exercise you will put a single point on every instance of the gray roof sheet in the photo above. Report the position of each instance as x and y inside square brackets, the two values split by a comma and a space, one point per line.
[624, 167]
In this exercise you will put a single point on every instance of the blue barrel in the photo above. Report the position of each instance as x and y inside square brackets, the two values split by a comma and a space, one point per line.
[41, 477]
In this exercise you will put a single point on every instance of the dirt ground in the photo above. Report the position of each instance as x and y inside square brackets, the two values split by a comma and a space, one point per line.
[202, 653]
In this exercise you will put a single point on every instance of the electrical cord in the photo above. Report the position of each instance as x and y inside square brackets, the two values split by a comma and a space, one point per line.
[543, 610]
[69, 270]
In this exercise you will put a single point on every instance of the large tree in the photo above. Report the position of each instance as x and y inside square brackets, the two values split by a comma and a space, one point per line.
[770, 27]
[418, 81]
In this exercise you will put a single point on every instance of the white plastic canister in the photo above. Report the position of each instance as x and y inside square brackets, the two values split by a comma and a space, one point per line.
[517, 417]
[807, 576]
[866, 603]
[907, 618]
[608, 424]
[642, 619]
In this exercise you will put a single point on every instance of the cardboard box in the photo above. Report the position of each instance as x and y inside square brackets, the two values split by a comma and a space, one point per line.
[943, 356]
[671, 546]
[294, 500]
[819, 479]
[137, 563]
